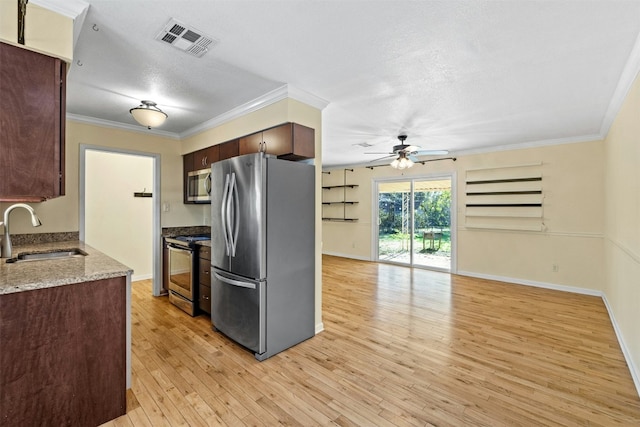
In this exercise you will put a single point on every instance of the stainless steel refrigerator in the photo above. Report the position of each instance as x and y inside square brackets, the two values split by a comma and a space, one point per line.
[262, 252]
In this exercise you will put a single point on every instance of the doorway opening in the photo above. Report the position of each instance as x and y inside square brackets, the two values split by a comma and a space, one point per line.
[415, 224]
[120, 208]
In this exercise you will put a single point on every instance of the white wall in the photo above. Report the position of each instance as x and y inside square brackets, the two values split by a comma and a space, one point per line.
[45, 31]
[573, 216]
[116, 222]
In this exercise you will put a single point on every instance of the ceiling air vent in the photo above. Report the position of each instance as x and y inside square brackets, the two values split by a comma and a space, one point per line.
[186, 39]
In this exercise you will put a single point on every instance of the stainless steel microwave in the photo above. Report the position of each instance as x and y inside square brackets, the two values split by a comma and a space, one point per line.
[199, 186]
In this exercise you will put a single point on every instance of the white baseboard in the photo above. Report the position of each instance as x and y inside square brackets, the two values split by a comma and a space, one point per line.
[319, 327]
[137, 277]
[346, 256]
[635, 374]
[545, 285]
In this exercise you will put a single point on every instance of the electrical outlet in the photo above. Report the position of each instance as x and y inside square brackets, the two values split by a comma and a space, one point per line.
[166, 207]
[555, 268]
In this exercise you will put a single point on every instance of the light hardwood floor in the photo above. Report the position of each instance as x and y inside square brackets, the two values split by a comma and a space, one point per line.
[400, 347]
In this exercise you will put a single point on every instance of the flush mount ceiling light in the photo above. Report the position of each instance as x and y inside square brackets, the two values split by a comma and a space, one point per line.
[148, 114]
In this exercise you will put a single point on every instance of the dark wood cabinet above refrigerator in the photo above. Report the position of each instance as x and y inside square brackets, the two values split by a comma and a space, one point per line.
[288, 141]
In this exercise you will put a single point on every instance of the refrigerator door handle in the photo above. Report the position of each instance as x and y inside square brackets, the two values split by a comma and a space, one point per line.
[223, 209]
[234, 282]
[230, 215]
[236, 213]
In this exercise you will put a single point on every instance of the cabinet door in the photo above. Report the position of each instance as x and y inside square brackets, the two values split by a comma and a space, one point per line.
[204, 299]
[229, 149]
[204, 271]
[32, 117]
[202, 159]
[278, 140]
[304, 142]
[251, 143]
[64, 354]
[204, 278]
[290, 141]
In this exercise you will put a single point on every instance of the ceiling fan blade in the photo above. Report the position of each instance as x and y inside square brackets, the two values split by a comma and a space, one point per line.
[381, 158]
[413, 158]
[378, 152]
[430, 152]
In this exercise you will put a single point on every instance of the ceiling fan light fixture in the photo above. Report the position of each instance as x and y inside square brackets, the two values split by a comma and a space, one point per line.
[402, 162]
[148, 114]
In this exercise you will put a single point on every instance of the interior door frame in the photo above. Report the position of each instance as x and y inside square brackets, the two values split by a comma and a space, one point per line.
[412, 178]
[156, 279]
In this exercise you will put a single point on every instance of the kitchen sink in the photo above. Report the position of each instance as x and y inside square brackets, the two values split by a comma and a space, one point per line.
[51, 254]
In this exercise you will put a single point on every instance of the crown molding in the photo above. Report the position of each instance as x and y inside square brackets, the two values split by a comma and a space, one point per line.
[122, 126]
[269, 98]
[627, 78]
[307, 98]
[256, 104]
[530, 144]
[69, 8]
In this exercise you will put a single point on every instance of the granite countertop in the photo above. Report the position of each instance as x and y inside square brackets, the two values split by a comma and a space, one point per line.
[31, 275]
[190, 230]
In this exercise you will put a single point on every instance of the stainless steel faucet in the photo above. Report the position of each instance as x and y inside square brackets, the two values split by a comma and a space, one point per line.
[6, 240]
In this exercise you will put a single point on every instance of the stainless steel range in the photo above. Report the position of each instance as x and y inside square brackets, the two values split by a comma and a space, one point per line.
[183, 283]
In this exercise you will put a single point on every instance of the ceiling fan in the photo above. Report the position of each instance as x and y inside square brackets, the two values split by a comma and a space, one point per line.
[405, 154]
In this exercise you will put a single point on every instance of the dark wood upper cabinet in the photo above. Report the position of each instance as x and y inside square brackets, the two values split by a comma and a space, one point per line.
[202, 159]
[251, 143]
[32, 125]
[229, 149]
[289, 141]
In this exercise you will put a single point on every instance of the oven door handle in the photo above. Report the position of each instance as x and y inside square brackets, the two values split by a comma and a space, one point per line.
[173, 246]
[234, 282]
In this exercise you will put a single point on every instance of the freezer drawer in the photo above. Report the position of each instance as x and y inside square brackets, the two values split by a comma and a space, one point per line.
[238, 309]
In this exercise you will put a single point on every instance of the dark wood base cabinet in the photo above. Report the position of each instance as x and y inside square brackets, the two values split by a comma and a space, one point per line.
[204, 279]
[63, 355]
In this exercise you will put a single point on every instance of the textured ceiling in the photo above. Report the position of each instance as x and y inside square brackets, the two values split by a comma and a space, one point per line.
[462, 76]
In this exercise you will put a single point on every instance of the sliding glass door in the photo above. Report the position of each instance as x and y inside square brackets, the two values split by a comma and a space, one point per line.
[414, 222]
